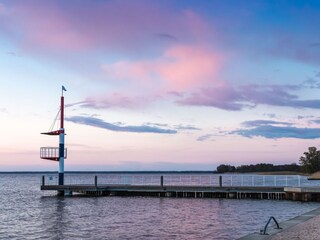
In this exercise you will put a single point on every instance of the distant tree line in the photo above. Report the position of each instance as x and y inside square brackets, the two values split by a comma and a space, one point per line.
[309, 163]
[260, 167]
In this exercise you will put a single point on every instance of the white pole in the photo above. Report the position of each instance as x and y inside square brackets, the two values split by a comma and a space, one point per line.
[61, 156]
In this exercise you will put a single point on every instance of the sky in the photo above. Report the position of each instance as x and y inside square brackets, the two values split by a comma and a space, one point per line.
[159, 85]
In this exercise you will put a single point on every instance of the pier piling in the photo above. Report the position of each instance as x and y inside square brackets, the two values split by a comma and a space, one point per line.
[43, 181]
[161, 181]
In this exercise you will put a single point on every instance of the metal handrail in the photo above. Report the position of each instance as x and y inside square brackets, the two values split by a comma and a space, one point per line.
[263, 232]
[51, 152]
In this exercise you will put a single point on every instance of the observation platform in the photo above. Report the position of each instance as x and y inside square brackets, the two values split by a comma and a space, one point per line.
[51, 153]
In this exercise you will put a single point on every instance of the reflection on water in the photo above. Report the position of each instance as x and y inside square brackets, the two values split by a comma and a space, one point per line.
[53, 216]
[27, 214]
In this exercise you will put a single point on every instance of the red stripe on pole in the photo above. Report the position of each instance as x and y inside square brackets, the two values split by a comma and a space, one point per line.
[61, 111]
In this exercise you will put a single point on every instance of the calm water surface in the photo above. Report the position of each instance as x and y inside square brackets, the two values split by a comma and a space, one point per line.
[28, 213]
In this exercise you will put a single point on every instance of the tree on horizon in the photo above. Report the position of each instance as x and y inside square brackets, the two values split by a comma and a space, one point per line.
[310, 162]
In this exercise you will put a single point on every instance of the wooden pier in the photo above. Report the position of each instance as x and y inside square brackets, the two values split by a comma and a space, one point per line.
[172, 191]
[236, 192]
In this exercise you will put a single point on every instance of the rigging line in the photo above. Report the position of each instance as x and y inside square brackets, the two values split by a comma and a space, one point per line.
[54, 121]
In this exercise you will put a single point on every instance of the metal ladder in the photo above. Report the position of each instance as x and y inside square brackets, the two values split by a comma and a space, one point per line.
[264, 231]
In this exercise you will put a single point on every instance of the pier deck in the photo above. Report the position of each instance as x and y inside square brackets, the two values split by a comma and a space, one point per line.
[188, 191]
[171, 191]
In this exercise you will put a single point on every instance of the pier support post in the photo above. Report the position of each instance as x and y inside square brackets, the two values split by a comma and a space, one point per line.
[306, 197]
[43, 181]
[95, 181]
[161, 181]
[68, 193]
[220, 181]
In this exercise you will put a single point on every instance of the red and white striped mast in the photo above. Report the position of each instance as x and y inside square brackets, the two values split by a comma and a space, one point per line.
[54, 153]
[61, 139]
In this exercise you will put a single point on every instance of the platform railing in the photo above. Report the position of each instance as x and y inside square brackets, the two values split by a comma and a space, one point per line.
[185, 180]
[51, 153]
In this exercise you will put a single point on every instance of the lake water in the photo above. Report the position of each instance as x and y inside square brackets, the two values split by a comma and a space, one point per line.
[28, 213]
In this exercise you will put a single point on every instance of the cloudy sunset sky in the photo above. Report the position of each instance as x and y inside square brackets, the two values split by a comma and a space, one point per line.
[159, 85]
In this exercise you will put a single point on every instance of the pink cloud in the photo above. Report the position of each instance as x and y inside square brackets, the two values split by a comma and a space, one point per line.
[189, 67]
[180, 68]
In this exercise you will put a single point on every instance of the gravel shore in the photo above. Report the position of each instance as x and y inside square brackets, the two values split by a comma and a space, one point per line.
[308, 230]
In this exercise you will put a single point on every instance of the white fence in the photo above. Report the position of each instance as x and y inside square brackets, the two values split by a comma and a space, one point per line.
[228, 180]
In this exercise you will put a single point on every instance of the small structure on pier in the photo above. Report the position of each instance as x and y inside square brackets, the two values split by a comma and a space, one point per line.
[57, 153]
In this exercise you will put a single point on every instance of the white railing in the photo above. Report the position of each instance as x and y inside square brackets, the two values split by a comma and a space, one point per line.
[51, 152]
[228, 180]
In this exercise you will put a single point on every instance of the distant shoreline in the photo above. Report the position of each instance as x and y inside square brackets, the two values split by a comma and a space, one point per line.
[153, 172]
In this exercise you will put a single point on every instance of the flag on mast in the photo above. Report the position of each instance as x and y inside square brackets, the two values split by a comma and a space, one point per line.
[63, 89]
